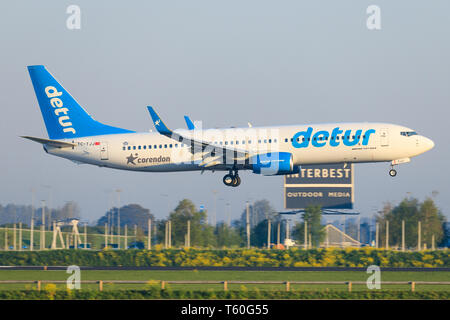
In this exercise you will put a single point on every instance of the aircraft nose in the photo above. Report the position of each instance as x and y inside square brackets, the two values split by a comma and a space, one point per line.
[428, 144]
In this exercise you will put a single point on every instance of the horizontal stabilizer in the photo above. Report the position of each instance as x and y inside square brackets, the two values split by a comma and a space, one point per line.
[52, 143]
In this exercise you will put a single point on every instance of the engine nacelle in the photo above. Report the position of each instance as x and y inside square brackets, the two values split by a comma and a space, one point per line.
[273, 163]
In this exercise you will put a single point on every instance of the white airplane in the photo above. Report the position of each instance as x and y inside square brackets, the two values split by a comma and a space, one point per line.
[275, 150]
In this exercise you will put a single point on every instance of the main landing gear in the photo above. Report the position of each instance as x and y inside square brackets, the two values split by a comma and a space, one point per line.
[232, 179]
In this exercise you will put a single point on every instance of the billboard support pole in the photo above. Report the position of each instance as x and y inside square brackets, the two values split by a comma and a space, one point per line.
[306, 235]
[247, 225]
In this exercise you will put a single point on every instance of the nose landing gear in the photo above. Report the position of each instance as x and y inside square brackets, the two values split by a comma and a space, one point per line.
[232, 179]
[392, 172]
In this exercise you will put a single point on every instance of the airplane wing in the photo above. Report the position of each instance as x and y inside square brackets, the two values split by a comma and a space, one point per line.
[52, 143]
[198, 145]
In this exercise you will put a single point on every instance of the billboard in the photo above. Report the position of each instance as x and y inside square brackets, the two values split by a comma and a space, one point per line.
[328, 185]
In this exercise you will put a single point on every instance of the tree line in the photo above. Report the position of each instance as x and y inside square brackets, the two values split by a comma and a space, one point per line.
[258, 214]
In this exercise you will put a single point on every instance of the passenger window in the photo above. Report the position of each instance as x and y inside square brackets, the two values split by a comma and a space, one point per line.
[124, 148]
[160, 146]
[170, 145]
[286, 140]
[129, 148]
[145, 147]
[134, 147]
[243, 141]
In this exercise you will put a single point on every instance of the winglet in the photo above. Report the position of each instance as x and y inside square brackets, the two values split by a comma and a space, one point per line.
[189, 123]
[159, 124]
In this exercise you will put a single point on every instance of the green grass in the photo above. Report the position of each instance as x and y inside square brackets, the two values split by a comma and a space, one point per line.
[228, 275]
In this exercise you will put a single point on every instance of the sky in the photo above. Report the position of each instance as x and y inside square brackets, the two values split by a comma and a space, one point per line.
[225, 63]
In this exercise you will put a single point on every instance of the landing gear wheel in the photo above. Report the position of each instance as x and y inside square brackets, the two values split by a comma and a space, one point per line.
[232, 179]
[392, 172]
[236, 181]
[228, 180]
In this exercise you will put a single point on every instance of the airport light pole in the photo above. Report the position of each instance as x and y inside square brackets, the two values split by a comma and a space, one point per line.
[149, 235]
[278, 234]
[43, 226]
[387, 234]
[215, 208]
[377, 233]
[33, 195]
[85, 235]
[50, 198]
[419, 234]
[403, 235]
[247, 211]
[110, 212]
[118, 217]
[188, 241]
[359, 230]
[229, 214]
[31, 234]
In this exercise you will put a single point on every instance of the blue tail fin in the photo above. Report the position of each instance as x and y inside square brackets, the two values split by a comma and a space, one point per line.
[63, 116]
[189, 123]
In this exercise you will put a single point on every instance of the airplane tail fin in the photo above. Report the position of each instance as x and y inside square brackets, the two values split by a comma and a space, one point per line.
[64, 118]
[189, 123]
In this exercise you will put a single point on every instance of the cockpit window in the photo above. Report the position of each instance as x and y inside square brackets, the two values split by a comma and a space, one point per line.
[408, 133]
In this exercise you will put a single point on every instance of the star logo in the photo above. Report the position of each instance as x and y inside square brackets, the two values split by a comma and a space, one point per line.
[157, 122]
[131, 159]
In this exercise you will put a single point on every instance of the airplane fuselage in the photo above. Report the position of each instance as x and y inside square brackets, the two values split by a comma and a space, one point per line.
[308, 144]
